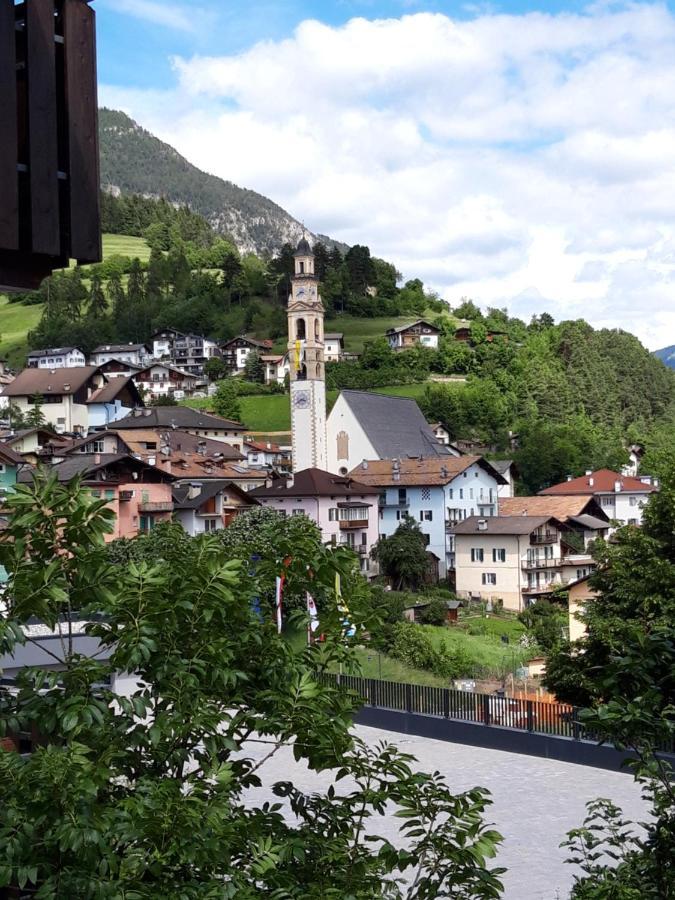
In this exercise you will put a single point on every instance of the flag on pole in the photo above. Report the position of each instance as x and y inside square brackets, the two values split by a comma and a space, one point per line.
[313, 613]
[349, 628]
[298, 346]
[278, 600]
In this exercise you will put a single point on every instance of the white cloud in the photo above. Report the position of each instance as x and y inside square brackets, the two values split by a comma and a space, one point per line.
[526, 161]
[168, 15]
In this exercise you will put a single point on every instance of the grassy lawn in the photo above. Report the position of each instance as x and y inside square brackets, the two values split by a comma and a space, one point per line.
[123, 245]
[486, 651]
[357, 330]
[16, 320]
[272, 412]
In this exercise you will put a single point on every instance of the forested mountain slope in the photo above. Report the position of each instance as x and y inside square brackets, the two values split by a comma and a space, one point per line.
[133, 161]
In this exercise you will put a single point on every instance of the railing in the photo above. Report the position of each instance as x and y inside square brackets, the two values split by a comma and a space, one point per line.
[550, 563]
[535, 716]
[158, 506]
[545, 537]
[353, 523]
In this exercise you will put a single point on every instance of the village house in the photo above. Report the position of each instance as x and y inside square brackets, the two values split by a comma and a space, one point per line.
[277, 367]
[56, 358]
[183, 418]
[514, 559]
[11, 463]
[150, 443]
[582, 514]
[509, 472]
[420, 333]
[263, 454]
[62, 393]
[113, 401]
[138, 494]
[442, 433]
[209, 505]
[579, 595]
[622, 498]
[362, 425]
[117, 368]
[190, 352]
[235, 352]
[107, 443]
[344, 509]
[463, 333]
[162, 342]
[35, 445]
[163, 380]
[333, 346]
[435, 493]
[133, 354]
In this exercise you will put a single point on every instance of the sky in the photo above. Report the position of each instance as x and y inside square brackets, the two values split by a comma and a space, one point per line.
[519, 154]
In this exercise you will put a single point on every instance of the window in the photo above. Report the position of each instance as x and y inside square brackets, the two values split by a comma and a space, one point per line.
[633, 501]
[461, 493]
[498, 555]
[489, 578]
[470, 493]
[451, 494]
[402, 495]
[145, 497]
[477, 554]
[426, 515]
[210, 524]
[332, 514]
[298, 512]
[426, 493]
[109, 494]
[608, 501]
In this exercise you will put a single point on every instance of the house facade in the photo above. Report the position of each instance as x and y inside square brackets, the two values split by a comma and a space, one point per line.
[622, 498]
[513, 559]
[63, 395]
[333, 346]
[436, 493]
[345, 510]
[56, 358]
[205, 506]
[162, 380]
[184, 418]
[112, 402]
[277, 367]
[235, 352]
[579, 595]
[132, 354]
[420, 333]
[191, 352]
[162, 342]
[263, 454]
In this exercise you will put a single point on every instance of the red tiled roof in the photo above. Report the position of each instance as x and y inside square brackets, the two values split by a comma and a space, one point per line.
[601, 482]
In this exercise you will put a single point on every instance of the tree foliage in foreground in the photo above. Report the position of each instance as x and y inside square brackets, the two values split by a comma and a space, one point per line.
[150, 795]
[623, 671]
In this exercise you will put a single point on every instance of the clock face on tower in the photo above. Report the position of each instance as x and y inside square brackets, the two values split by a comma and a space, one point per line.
[301, 399]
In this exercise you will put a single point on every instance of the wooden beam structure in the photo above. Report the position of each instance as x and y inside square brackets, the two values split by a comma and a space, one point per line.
[49, 166]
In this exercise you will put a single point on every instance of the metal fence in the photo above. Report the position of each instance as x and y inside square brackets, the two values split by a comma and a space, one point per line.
[534, 716]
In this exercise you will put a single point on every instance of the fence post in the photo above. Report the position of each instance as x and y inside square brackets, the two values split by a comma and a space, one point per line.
[576, 728]
[374, 699]
[530, 715]
[408, 698]
[446, 703]
[486, 709]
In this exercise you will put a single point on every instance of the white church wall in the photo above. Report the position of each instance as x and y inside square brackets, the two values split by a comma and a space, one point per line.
[341, 422]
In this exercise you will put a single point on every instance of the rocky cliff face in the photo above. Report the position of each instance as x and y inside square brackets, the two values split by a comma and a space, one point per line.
[133, 161]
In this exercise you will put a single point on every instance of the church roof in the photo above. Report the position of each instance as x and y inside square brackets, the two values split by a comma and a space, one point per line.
[304, 248]
[394, 426]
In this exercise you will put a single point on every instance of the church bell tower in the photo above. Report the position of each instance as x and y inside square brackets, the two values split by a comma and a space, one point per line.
[307, 364]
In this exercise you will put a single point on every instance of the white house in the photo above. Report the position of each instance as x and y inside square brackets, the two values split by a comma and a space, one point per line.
[420, 333]
[622, 498]
[362, 425]
[205, 506]
[277, 367]
[192, 351]
[63, 394]
[333, 346]
[506, 468]
[162, 380]
[437, 493]
[235, 352]
[135, 354]
[263, 454]
[56, 358]
[162, 342]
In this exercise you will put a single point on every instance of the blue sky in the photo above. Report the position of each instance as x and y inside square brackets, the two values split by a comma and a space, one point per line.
[519, 154]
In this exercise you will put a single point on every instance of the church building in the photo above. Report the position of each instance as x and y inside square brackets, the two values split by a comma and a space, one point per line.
[308, 367]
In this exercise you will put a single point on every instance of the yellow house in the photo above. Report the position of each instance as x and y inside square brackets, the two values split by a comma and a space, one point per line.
[513, 559]
[579, 593]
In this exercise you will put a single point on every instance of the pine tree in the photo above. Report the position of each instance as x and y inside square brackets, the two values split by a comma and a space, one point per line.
[254, 368]
[97, 305]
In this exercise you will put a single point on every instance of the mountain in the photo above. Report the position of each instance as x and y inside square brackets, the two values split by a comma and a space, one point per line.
[133, 161]
[667, 355]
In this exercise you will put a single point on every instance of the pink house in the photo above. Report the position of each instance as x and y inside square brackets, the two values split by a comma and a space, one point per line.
[345, 510]
[139, 494]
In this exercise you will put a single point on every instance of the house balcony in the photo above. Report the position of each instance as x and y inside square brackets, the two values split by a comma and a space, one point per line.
[550, 563]
[385, 505]
[350, 524]
[544, 537]
[125, 496]
[158, 506]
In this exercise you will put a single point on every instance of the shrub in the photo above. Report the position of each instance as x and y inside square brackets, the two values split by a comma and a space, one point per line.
[413, 646]
[436, 613]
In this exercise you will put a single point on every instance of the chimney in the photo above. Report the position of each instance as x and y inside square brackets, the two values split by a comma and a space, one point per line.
[617, 487]
[569, 477]
[152, 460]
[589, 472]
[482, 524]
[268, 482]
[364, 465]
[591, 482]
[194, 490]
[290, 480]
[137, 412]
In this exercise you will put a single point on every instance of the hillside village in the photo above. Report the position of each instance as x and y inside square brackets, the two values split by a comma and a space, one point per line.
[116, 417]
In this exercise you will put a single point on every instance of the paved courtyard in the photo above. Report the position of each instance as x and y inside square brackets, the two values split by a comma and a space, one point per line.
[536, 802]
